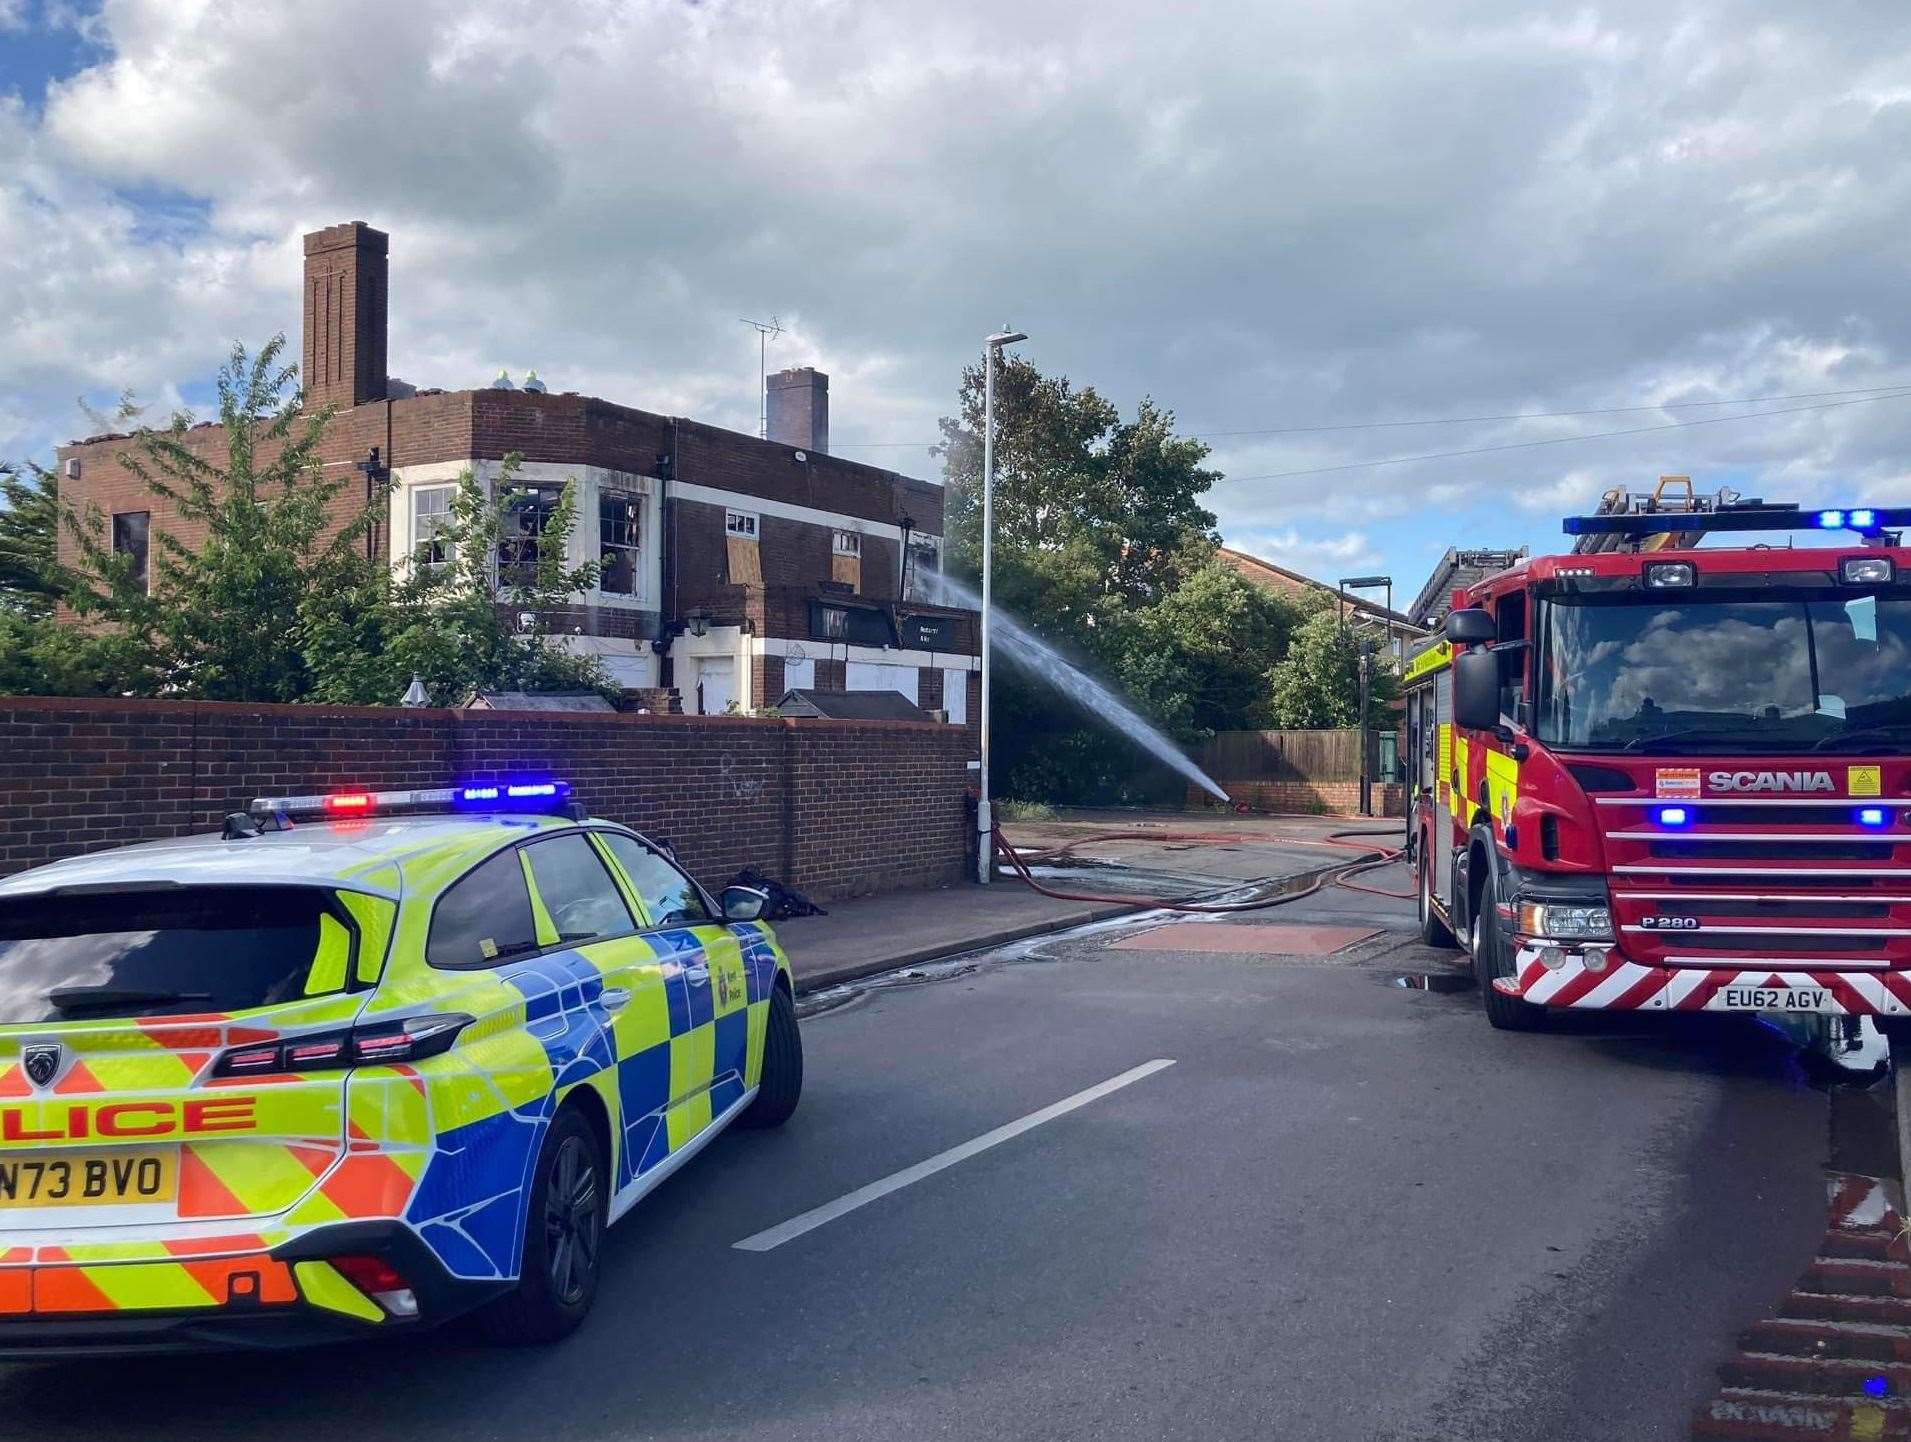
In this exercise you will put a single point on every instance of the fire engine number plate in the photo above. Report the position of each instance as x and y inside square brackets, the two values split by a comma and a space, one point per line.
[89, 1178]
[1776, 998]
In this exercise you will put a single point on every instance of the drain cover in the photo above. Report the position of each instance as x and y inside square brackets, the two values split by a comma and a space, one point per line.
[1248, 938]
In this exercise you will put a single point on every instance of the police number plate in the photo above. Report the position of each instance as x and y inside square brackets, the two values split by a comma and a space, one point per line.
[90, 1179]
[1777, 998]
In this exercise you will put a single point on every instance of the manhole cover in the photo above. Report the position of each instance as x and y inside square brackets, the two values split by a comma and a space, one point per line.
[1251, 938]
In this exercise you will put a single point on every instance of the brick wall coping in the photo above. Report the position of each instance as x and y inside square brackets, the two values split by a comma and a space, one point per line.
[319, 711]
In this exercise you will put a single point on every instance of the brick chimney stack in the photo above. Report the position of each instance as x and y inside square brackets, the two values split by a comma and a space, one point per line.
[345, 302]
[798, 402]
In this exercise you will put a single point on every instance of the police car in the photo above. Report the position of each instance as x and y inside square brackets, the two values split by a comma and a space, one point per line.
[362, 1063]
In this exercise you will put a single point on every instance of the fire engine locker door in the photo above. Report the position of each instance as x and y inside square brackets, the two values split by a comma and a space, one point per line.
[1438, 729]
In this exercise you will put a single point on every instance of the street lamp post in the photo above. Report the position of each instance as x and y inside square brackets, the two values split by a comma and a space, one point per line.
[984, 816]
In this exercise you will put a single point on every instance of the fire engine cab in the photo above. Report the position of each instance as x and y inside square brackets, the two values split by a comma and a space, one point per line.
[1654, 774]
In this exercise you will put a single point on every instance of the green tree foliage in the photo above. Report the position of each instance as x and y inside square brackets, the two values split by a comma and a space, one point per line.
[217, 617]
[1317, 683]
[440, 618]
[261, 590]
[30, 576]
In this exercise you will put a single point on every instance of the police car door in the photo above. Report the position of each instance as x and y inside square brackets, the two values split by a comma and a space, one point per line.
[704, 985]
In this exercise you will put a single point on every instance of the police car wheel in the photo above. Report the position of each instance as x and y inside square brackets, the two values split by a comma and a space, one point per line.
[563, 1237]
[1506, 1013]
[782, 1080]
[1433, 931]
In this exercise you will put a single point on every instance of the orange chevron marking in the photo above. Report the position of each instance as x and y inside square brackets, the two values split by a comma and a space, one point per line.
[67, 1289]
[79, 1079]
[16, 1292]
[369, 1186]
[195, 1246]
[13, 1082]
[273, 1284]
[201, 1193]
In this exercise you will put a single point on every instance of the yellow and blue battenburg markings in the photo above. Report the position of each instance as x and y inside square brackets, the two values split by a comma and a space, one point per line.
[665, 1027]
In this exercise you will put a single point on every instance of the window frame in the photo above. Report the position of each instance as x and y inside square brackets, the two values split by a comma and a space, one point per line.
[540, 498]
[419, 538]
[145, 551]
[846, 543]
[610, 872]
[633, 900]
[634, 547]
[743, 525]
[635, 897]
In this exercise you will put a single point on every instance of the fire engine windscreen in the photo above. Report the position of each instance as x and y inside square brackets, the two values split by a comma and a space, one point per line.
[180, 951]
[1813, 670]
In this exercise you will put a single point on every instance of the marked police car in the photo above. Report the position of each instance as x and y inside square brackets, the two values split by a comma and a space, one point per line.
[362, 1063]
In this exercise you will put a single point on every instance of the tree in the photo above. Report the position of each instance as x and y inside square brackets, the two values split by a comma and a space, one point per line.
[216, 617]
[444, 619]
[1317, 684]
[30, 576]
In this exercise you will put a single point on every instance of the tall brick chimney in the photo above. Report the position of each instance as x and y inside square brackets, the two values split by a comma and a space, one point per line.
[798, 401]
[345, 300]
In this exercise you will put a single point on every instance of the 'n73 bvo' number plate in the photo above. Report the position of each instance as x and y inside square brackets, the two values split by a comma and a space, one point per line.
[89, 1179]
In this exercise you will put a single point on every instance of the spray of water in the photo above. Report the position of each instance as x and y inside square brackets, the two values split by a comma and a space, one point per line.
[1021, 645]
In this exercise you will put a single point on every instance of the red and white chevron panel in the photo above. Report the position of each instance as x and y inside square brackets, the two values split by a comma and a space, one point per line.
[1627, 986]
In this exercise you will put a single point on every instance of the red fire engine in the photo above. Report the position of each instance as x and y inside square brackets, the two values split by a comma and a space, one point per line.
[1655, 775]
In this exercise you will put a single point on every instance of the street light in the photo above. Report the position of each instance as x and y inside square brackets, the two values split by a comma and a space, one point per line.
[984, 820]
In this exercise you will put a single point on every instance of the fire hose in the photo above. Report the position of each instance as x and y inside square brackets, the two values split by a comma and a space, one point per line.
[1372, 856]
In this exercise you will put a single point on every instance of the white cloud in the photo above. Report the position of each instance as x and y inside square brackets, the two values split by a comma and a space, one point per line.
[1310, 214]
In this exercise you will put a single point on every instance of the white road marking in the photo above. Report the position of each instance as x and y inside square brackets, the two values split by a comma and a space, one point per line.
[819, 1216]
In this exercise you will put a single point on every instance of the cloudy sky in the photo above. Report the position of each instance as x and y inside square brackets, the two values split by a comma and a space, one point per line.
[1324, 232]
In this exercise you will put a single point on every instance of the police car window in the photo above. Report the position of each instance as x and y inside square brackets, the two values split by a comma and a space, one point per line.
[577, 892]
[667, 894]
[186, 950]
[485, 918]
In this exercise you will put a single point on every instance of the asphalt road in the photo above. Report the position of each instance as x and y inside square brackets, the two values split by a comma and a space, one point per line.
[1347, 1210]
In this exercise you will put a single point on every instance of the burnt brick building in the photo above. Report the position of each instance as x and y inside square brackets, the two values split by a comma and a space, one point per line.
[733, 568]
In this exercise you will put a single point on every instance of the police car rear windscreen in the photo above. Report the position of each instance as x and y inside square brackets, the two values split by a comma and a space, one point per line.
[176, 952]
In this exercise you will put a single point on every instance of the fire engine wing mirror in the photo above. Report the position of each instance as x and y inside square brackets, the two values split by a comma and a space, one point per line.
[1476, 687]
[1471, 626]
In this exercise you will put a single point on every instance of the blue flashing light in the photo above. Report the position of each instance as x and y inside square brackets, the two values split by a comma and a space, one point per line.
[1674, 816]
[1873, 816]
[526, 795]
[1877, 1386]
[1863, 520]
[1831, 520]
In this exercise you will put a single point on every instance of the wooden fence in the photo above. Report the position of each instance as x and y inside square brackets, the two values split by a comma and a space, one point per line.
[1282, 756]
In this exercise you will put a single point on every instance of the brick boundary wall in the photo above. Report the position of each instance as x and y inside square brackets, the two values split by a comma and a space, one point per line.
[835, 808]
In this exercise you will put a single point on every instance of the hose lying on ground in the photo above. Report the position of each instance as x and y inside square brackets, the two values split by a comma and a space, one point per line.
[1373, 856]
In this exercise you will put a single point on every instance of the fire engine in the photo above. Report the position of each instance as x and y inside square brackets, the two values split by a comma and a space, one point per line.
[1653, 774]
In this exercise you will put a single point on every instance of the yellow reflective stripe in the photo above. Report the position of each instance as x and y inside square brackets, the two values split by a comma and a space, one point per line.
[1436, 657]
[374, 915]
[139, 1288]
[329, 962]
[546, 928]
[321, 1284]
[1502, 785]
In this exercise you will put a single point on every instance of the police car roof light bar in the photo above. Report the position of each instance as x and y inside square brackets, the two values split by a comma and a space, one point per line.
[524, 794]
[1746, 516]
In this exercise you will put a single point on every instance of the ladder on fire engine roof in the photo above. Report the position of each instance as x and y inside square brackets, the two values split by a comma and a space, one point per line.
[1673, 496]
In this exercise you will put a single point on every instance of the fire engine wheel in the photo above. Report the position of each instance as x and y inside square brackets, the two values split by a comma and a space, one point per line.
[1506, 1013]
[1433, 931]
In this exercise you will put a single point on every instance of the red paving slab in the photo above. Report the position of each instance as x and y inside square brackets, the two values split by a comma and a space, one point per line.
[1267, 938]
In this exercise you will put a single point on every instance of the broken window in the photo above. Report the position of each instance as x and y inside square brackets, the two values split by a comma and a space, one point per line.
[430, 519]
[619, 526]
[129, 539]
[528, 514]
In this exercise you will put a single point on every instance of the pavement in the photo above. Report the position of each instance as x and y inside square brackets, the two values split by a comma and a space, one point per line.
[1124, 1182]
[1150, 857]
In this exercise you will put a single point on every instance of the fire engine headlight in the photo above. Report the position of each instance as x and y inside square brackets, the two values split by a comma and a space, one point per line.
[1866, 570]
[1665, 575]
[1565, 921]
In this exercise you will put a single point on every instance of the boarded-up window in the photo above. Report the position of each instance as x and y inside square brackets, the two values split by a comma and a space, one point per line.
[847, 569]
[745, 560]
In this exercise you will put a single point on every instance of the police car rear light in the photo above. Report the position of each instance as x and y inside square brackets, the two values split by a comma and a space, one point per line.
[535, 794]
[382, 1044]
[381, 1281]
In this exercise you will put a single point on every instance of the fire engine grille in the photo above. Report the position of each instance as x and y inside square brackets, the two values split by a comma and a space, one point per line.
[1766, 909]
[1708, 848]
[1773, 943]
